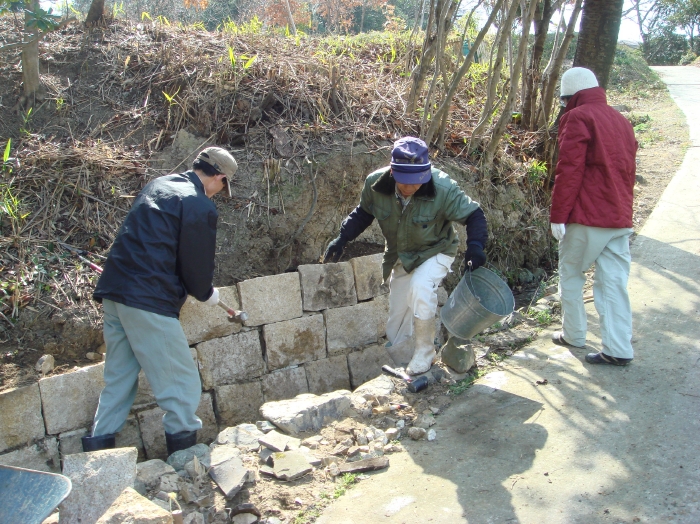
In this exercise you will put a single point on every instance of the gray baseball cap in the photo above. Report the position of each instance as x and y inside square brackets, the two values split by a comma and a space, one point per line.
[222, 161]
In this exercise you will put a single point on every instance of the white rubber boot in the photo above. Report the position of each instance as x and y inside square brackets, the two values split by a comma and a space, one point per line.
[424, 352]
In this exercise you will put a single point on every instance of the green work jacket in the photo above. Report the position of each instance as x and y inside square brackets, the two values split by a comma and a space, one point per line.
[424, 228]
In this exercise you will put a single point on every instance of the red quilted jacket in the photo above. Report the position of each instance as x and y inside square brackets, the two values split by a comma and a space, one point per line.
[594, 179]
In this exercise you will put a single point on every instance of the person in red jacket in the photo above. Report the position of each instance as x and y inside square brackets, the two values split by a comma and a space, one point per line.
[591, 215]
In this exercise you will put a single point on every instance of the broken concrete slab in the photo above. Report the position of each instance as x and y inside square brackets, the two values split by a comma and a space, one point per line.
[284, 383]
[369, 281]
[230, 475]
[367, 364]
[201, 322]
[307, 412]
[227, 360]
[98, 479]
[352, 327]
[222, 453]
[133, 508]
[20, 417]
[371, 464]
[236, 403]
[271, 299]
[275, 441]
[178, 459]
[79, 389]
[264, 426]
[328, 374]
[243, 436]
[42, 456]
[150, 471]
[294, 341]
[290, 465]
[325, 286]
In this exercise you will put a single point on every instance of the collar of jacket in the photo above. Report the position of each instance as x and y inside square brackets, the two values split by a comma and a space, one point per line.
[594, 95]
[386, 185]
[194, 179]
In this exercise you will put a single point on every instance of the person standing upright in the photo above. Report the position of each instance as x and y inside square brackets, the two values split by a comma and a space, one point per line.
[591, 216]
[163, 252]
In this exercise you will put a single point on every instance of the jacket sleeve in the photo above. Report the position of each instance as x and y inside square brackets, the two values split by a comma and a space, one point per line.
[574, 137]
[477, 228]
[196, 250]
[355, 223]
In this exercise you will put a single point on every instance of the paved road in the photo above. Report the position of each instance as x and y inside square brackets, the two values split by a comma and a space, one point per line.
[597, 444]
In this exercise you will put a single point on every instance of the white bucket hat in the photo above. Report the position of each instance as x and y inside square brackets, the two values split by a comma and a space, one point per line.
[577, 79]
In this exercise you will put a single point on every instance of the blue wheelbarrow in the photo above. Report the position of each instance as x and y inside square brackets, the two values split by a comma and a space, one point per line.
[29, 496]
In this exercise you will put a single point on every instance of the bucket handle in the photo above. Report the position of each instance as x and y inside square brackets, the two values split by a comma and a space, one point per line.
[469, 272]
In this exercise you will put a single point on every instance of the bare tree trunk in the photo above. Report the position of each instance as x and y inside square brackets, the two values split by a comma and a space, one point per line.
[495, 76]
[597, 39]
[292, 25]
[30, 59]
[507, 113]
[531, 81]
[552, 77]
[362, 18]
[95, 13]
[443, 111]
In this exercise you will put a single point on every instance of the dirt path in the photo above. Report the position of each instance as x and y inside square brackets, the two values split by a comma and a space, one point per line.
[593, 444]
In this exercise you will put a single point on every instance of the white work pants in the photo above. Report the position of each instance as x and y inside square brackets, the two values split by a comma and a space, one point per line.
[414, 294]
[610, 250]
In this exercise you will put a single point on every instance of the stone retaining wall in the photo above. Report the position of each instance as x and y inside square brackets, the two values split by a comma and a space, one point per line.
[316, 330]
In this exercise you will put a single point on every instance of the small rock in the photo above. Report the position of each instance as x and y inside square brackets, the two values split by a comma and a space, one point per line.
[194, 518]
[265, 426]
[244, 518]
[264, 455]
[45, 364]
[267, 471]
[424, 421]
[150, 471]
[290, 465]
[434, 410]
[400, 424]
[340, 449]
[432, 435]
[274, 440]
[363, 449]
[352, 451]
[168, 483]
[392, 434]
[243, 436]
[312, 442]
[230, 475]
[333, 470]
[293, 443]
[348, 442]
[382, 385]
[417, 433]
[178, 459]
[362, 439]
[92, 356]
[327, 461]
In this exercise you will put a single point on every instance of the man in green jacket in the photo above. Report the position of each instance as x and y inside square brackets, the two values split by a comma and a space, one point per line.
[415, 205]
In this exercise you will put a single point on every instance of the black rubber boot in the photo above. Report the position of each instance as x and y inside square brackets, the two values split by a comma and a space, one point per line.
[178, 441]
[99, 442]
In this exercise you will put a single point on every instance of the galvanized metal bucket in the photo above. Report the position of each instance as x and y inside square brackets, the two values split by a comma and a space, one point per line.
[480, 300]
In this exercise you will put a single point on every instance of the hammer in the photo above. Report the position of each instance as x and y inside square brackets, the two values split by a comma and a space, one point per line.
[234, 315]
[414, 384]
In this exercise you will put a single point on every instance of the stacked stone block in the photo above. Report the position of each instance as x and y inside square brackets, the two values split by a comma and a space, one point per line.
[317, 330]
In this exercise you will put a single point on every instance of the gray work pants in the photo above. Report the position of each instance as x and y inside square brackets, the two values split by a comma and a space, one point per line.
[137, 339]
[610, 250]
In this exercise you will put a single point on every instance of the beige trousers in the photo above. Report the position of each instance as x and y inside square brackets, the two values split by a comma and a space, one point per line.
[610, 250]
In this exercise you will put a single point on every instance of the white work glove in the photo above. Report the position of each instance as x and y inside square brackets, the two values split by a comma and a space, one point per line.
[558, 231]
[213, 300]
